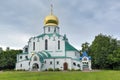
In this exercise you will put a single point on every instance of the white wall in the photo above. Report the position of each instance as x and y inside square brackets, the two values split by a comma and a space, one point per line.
[52, 45]
[73, 54]
[25, 65]
[23, 57]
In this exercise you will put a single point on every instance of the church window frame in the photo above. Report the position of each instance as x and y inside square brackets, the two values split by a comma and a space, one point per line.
[48, 29]
[20, 65]
[50, 62]
[54, 29]
[33, 46]
[26, 57]
[78, 65]
[46, 44]
[45, 62]
[74, 63]
[58, 44]
[20, 57]
[58, 62]
[26, 49]
[85, 59]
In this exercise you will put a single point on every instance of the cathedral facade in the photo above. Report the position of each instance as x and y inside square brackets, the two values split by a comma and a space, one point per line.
[51, 50]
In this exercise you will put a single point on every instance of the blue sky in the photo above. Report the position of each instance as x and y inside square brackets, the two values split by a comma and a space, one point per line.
[80, 20]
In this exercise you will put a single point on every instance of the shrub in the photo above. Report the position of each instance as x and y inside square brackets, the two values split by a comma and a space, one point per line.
[50, 69]
[57, 69]
[78, 70]
[46, 70]
[72, 69]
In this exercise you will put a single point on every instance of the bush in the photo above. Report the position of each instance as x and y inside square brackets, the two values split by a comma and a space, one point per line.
[57, 69]
[20, 70]
[46, 70]
[50, 69]
[78, 70]
[68, 70]
[72, 69]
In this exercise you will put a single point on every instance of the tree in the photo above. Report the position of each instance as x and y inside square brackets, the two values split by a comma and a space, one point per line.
[103, 50]
[8, 59]
[85, 46]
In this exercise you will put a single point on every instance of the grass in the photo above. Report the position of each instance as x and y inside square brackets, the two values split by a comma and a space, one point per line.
[99, 75]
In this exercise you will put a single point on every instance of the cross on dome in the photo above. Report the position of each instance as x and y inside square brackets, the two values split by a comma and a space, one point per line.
[51, 20]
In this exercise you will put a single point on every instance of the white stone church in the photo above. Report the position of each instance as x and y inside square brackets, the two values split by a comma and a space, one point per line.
[51, 50]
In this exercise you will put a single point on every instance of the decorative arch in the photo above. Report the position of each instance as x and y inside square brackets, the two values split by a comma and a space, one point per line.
[35, 66]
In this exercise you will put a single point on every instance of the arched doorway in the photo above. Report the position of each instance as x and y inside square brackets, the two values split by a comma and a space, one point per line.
[65, 66]
[35, 66]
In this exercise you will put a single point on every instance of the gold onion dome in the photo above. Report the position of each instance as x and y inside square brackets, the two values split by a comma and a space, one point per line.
[51, 20]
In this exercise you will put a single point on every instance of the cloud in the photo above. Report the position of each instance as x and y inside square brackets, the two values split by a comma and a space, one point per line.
[81, 20]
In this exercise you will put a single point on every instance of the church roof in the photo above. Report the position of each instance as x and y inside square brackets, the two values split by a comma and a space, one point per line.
[43, 55]
[50, 35]
[69, 47]
[84, 54]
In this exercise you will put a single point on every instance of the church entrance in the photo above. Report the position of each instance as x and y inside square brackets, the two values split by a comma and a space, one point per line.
[85, 66]
[65, 66]
[35, 67]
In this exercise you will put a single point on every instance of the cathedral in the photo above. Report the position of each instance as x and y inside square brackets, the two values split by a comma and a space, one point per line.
[50, 50]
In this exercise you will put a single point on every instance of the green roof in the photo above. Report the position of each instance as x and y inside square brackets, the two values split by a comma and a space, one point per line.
[50, 35]
[25, 53]
[69, 47]
[43, 55]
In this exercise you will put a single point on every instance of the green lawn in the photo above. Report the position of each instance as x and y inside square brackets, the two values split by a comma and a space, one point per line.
[78, 75]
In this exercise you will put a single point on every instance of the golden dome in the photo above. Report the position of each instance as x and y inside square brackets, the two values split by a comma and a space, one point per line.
[51, 20]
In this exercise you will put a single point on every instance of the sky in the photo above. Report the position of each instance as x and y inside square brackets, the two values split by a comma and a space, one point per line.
[80, 20]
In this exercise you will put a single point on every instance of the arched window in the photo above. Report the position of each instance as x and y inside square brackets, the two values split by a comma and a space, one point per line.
[58, 44]
[46, 44]
[26, 49]
[85, 59]
[55, 30]
[48, 29]
[20, 57]
[74, 64]
[20, 65]
[35, 58]
[33, 45]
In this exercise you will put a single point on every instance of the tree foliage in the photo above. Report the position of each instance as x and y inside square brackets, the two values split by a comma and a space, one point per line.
[8, 59]
[105, 52]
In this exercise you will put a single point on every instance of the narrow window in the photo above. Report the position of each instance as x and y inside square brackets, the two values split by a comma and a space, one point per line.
[78, 65]
[45, 62]
[55, 30]
[20, 57]
[58, 44]
[50, 62]
[20, 65]
[33, 45]
[26, 49]
[74, 64]
[57, 62]
[46, 44]
[48, 29]
[26, 57]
